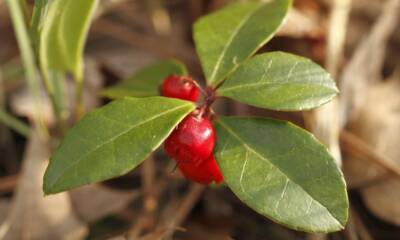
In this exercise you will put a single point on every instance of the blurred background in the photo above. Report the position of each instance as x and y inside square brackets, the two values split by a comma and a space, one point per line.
[357, 41]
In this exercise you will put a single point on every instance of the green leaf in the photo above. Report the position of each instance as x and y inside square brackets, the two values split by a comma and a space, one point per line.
[146, 82]
[64, 33]
[38, 16]
[228, 37]
[112, 140]
[280, 81]
[282, 172]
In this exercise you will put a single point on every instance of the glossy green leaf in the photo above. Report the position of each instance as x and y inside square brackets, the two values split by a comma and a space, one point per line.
[64, 33]
[226, 38]
[280, 81]
[282, 172]
[146, 82]
[112, 140]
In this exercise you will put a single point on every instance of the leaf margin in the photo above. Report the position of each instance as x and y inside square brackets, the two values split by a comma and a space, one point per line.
[121, 89]
[221, 91]
[196, 36]
[304, 229]
[49, 188]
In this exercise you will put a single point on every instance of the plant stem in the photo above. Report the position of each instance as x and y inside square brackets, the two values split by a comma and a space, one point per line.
[24, 9]
[14, 123]
[39, 11]
[79, 107]
[28, 60]
[52, 88]
[210, 97]
[51, 79]
[199, 87]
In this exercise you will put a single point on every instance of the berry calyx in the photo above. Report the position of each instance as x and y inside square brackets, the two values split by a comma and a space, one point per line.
[205, 173]
[180, 87]
[192, 141]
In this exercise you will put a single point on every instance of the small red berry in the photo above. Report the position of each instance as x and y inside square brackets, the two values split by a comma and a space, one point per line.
[192, 141]
[180, 87]
[204, 173]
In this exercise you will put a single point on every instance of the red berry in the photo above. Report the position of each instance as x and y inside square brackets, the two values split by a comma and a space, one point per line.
[204, 173]
[192, 141]
[180, 87]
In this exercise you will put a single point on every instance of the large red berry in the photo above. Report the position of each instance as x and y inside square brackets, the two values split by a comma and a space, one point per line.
[192, 141]
[204, 173]
[180, 87]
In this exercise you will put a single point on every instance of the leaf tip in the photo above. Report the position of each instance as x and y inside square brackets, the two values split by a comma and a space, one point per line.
[47, 189]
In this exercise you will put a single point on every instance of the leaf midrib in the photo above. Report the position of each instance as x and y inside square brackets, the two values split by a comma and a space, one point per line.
[252, 85]
[115, 137]
[228, 44]
[249, 148]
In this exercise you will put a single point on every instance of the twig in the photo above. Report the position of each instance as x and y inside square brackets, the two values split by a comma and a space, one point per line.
[7, 184]
[350, 230]
[182, 211]
[356, 146]
[146, 219]
[316, 236]
[144, 41]
[157, 190]
[360, 227]
[148, 171]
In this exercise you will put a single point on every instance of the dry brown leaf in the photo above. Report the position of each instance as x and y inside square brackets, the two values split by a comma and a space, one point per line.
[33, 216]
[299, 25]
[366, 65]
[379, 125]
[325, 125]
[23, 104]
[382, 129]
[364, 103]
[371, 108]
[93, 202]
[359, 173]
[382, 199]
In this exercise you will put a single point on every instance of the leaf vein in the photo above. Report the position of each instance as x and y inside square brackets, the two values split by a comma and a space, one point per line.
[228, 44]
[230, 131]
[56, 179]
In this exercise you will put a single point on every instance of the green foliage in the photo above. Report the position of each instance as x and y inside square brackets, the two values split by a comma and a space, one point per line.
[146, 82]
[28, 58]
[276, 168]
[228, 37]
[38, 16]
[112, 140]
[280, 81]
[64, 34]
[14, 123]
[282, 172]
